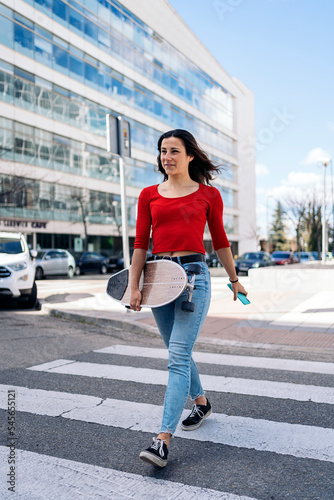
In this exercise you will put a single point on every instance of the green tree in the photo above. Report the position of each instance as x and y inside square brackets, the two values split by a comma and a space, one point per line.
[81, 199]
[313, 225]
[295, 209]
[277, 231]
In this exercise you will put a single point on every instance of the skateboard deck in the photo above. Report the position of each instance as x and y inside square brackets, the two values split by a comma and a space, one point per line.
[161, 282]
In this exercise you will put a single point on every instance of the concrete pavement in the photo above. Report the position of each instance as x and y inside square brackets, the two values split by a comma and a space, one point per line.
[297, 313]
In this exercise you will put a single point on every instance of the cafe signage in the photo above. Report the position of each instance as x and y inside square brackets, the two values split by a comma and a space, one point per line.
[23, 224]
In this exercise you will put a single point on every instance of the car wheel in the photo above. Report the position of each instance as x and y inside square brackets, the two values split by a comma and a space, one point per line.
[39, 274]
[29, 301]
[70, 272]
[103, 269]
[77, 271]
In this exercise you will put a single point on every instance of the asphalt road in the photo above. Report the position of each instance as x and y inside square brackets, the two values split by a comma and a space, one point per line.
[79, 455]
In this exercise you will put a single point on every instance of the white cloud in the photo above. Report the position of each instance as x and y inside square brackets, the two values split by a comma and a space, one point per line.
[261, 170]
[315, 156]
[299, 179]
[260, 209]
[300, 186]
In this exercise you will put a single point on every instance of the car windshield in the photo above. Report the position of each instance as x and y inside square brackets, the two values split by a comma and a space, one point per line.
[252, 256]
[11, 246]
[281, 255]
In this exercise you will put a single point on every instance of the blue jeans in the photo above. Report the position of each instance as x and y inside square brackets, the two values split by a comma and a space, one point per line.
[179, 330]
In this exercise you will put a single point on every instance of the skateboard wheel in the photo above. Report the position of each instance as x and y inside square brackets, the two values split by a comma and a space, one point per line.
[194, 269]
[188, 306]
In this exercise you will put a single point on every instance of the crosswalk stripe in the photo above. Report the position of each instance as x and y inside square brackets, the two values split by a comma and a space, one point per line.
[302, 441]
[226, 359]
[263, 388]
[43, 476]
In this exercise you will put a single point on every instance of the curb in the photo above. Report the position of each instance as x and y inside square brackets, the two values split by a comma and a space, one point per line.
[118, 324]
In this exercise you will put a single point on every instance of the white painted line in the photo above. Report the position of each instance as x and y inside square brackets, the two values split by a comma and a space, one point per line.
[53, 478]
[49, 403]
[57, 363]
[262, 388]
[302, 441]
[226, 359]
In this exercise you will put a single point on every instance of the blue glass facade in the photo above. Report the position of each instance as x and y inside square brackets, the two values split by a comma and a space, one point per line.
[114, 29]
[110, 27]
[25, 37]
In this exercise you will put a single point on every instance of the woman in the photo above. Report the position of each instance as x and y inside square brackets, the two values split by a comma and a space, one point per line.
[178, 210]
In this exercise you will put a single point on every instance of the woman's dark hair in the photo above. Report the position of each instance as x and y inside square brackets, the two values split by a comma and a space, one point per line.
[201, 168]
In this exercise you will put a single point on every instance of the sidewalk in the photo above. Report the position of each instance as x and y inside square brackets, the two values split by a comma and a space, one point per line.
[284, 319]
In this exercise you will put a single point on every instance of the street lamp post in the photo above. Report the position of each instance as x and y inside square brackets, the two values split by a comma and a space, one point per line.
[118, 141]
[332, 205]
[324, 239]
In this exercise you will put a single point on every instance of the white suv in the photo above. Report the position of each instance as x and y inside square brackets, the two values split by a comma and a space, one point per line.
[17, 269]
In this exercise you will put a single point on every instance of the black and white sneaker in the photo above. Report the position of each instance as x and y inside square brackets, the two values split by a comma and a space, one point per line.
[156, 454]
[196, 417]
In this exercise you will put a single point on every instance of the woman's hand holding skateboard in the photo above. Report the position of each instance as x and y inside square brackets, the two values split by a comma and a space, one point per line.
[135, 300]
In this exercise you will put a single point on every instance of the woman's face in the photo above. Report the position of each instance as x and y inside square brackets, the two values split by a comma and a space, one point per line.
[174, 158]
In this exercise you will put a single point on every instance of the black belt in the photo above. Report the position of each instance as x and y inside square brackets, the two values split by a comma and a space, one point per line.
[185, 259]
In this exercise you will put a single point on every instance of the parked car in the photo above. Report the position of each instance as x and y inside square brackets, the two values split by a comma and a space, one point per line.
[17, 269]
[283, 258]
[120, 260]
[54, 262]
[212, 260]
[305, 256]
[318, 255]
[252, 260]
[91, 262]
[112, 261]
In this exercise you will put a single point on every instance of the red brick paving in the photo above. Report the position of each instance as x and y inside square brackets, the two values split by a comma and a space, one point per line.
[225, 328]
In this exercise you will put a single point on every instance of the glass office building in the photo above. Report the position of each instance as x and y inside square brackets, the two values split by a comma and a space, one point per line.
[64, 65]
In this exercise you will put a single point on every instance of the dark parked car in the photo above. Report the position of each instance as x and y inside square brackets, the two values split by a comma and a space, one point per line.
[212, 260]
[112, 261]
[120, 260]
[305, 256]
[252, 260]
[91, 262]
[283, 258]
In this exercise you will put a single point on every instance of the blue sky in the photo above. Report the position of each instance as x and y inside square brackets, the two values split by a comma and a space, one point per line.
[283, 51]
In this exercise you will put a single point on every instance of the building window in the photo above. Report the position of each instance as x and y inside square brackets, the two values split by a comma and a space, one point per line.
[60, 10]
[6, 27]
[24, 40]
[60, 57]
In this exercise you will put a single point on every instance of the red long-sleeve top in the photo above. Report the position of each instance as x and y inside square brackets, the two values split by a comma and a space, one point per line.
[179, 223]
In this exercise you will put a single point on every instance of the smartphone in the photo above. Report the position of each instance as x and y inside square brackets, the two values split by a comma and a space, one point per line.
[242, 297]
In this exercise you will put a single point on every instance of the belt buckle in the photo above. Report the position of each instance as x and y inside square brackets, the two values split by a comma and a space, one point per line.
[167, 257]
